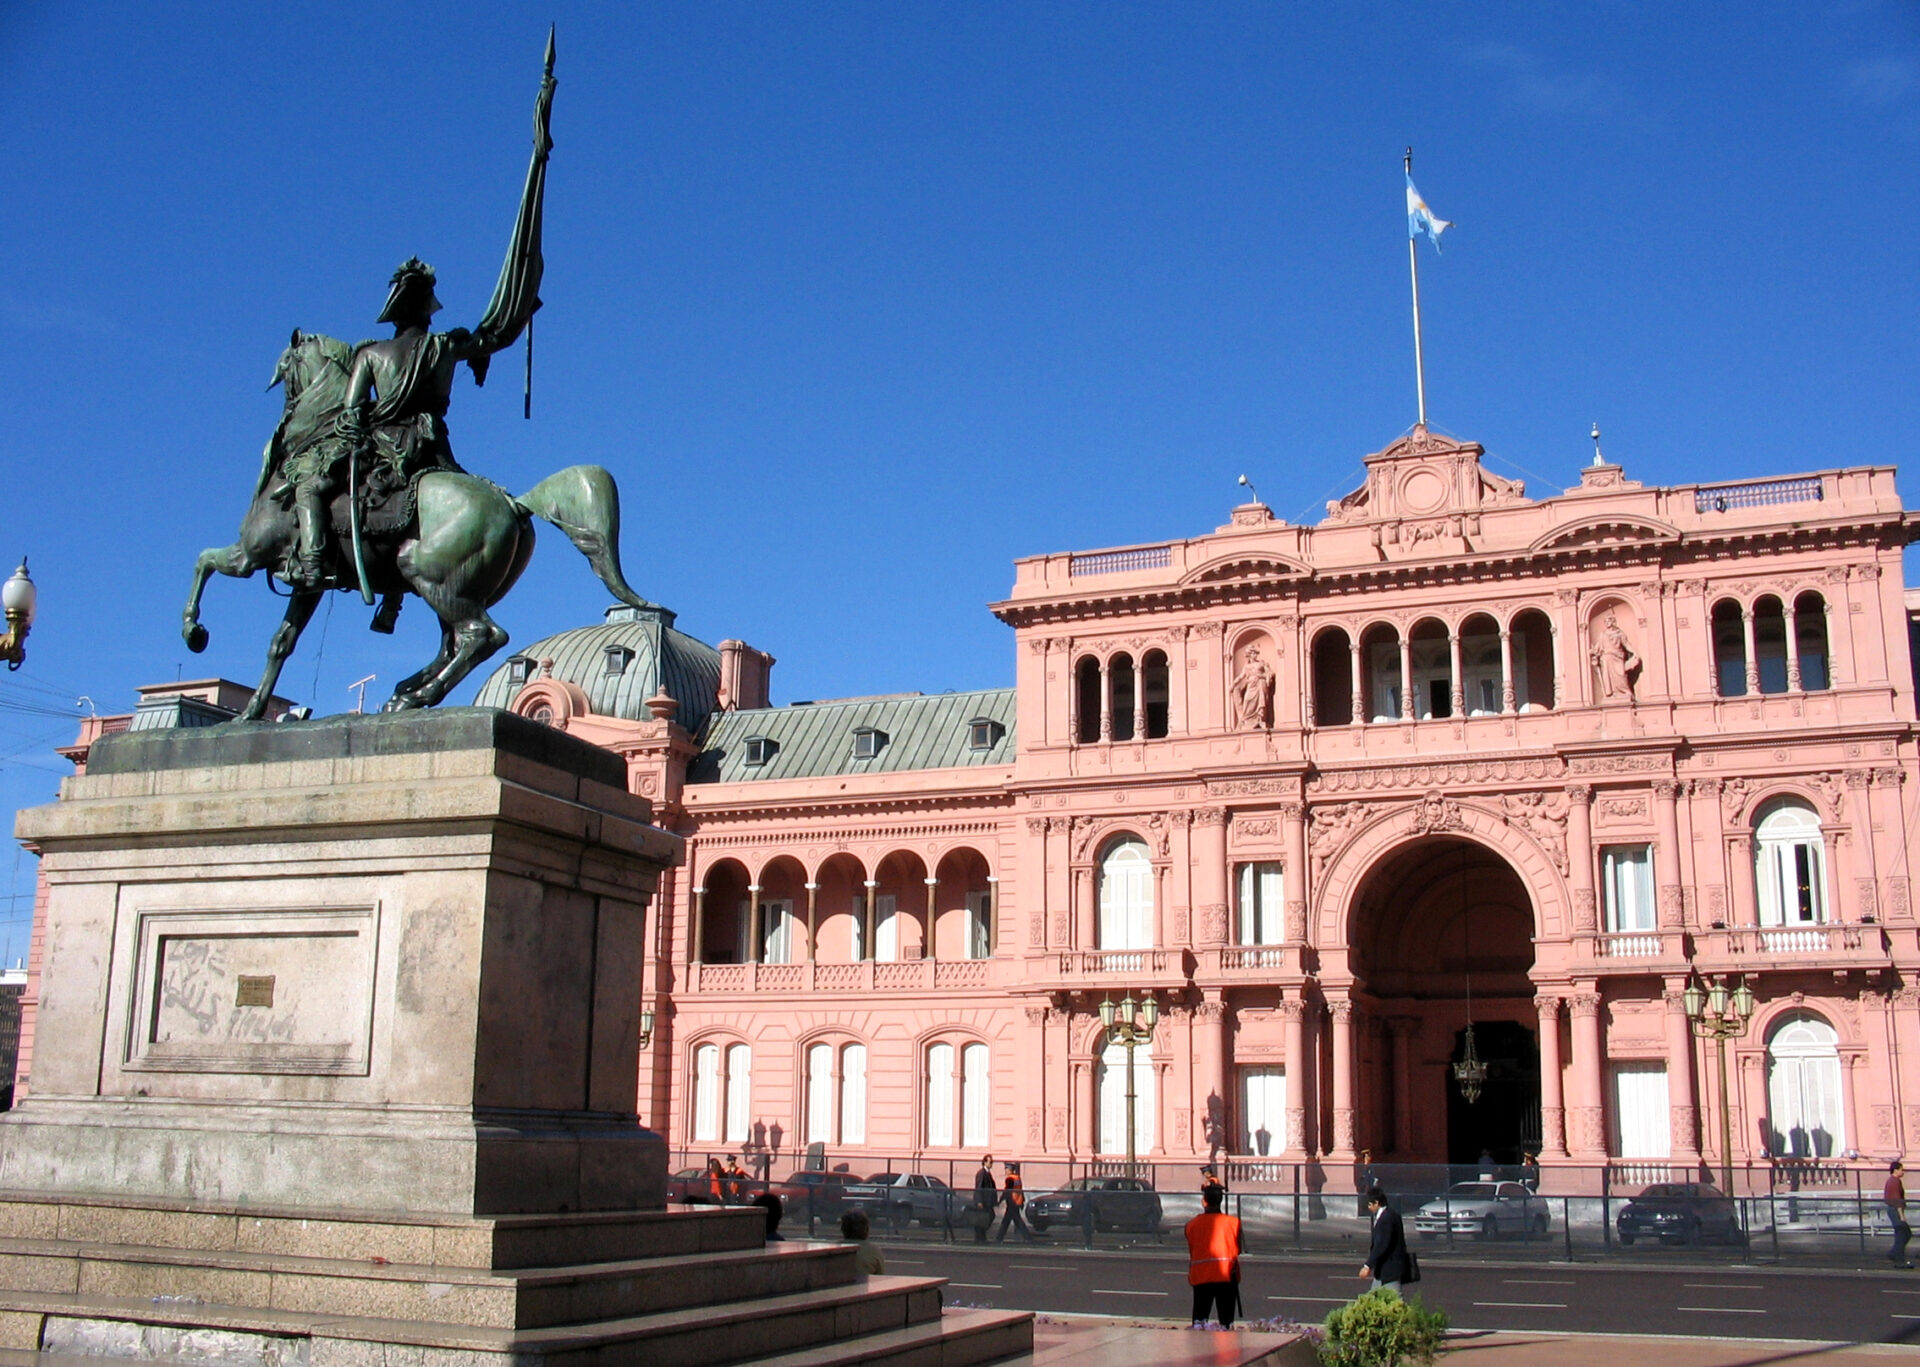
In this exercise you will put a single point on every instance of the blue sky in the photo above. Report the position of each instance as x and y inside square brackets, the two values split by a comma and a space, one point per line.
[860, 302]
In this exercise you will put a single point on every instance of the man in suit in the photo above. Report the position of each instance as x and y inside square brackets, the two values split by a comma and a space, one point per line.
[1388, 1261]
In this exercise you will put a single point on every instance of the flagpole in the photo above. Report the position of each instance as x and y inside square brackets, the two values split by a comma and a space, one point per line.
[1419, 361]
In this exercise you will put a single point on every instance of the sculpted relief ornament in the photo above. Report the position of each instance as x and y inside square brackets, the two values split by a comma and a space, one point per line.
[1252, 692]
[1329, 828]
[1542, 816]
[1616, 661]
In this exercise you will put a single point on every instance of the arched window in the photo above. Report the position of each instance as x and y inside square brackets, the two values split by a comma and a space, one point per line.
[959, 1100]
[1112, 1104]
[1126, 897]
[940, 1095]
[1120, 689]
[1530, 643]
[1155, 691]
[853, 1094]
[1729, 649]
[1810, 641]
[1805, 1118]
[1482, 680]
[1086, 700]
[739, 1092]
[976, 1096]
[1380, 651]
[1790, 864]
[1431, 655]
[722, 1093]
[706, 1094]
[1332, 678]
[1770, 644]
[820, 1094]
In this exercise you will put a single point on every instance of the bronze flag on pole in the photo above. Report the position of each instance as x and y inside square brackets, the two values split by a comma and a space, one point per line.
[516, 296]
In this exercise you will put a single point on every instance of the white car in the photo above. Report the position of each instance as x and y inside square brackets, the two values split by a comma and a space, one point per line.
[1483, 1210]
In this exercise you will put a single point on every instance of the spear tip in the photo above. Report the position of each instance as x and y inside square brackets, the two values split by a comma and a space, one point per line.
[550, 32]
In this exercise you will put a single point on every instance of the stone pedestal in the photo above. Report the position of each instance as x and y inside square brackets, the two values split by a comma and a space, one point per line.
[387, 963]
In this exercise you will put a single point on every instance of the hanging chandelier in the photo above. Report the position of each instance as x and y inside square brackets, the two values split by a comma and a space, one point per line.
[1470, 1073]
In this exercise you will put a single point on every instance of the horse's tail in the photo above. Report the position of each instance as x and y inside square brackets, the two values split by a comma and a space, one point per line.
[582, 501]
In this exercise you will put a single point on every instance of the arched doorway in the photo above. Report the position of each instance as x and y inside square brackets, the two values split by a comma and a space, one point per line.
[1442, 936]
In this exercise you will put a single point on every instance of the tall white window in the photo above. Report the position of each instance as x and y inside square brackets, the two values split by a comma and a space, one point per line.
[940, 1096]
[1112, 1101]
[1790, 865]
[706, 1094]
[1805, 1118]
[886, 928]
[1642, 1126]
[776, 931]
[1263, 1110]
[1626, 881]
[976, 1096]
[1126, 897]
[853, 1094]
[739, 1092]
[980, 925]
[820, 1094]
[1260, 887]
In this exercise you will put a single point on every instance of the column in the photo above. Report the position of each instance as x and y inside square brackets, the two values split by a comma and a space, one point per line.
[931, 950]
[1210, 875]
[869, 949]
[1341, 1010]
[1085, 1122]
[699, 925]
[1866, 877]
[1553, 1114]
[753, 923]
[1106, 702]
[1035, 1092]
[1406, 678]
[1666, 822]
[1359, 694]
[813, 919]
[1588, 1133]
[1753, 658]
[1745, 910]
[1293, 834]
[1580, 856]
[1793, 648]
[1458, 692]
[1680, 1089]
[1086, 910]
[993, 915]
[1403, 1030]
[1293, 1012]
[1508, 699]
[1213, 1070]
[1140, 706]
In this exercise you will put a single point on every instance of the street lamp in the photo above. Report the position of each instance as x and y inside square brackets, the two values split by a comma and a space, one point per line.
[1130, 1025]
[646, 1028]
[17, 597]
[1720, 1015]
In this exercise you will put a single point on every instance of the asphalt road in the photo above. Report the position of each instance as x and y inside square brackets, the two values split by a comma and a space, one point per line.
[1720, 1302]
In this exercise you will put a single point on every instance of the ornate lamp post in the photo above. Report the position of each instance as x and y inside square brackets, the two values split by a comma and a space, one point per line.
[1130, 1030]
[646, 1028]
[1720, 1015]
[17, 597]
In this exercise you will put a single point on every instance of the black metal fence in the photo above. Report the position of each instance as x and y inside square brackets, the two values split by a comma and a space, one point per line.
[1810, 1212]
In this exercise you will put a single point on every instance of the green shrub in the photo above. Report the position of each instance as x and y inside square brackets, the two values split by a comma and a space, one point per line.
[1381, 1330]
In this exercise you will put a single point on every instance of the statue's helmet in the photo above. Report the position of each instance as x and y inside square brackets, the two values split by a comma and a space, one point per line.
[411, 296]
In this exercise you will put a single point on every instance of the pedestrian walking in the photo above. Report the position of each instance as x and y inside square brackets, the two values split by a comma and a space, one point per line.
[985, 1197]
[1389, 1263]
[1015, 1195]
[716, 1182]
[1210, 1181]
[1895, 1197]
[736, 1181]
[1362, 1181]
[1213, 1261]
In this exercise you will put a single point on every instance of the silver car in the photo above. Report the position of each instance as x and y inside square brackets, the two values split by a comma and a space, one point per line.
[1484, 1210]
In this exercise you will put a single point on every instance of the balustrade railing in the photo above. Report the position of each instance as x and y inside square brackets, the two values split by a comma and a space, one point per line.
[1253, 956]
[1636, 945]
[1091, 962]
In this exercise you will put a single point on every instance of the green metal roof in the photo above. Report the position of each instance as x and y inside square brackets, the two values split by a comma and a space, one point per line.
[811, 740]
[662, 658]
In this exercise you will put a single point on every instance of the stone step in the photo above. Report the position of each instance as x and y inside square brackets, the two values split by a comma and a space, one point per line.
[959, 1338]
[500, 1300]
[493, 1242]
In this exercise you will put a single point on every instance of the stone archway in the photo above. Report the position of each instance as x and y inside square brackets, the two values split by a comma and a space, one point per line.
[1440, 935]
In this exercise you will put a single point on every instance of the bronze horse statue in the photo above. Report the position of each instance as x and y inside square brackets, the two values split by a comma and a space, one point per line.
[461, 549]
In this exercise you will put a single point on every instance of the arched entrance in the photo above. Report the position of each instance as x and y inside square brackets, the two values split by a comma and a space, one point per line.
[1442, 936]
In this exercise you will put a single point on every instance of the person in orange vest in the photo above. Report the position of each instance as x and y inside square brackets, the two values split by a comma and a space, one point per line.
[716, 1182]
[736, 1181]
[1213, 1261]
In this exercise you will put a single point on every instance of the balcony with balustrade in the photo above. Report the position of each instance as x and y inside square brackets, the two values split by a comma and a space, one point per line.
[866, 976]
[1832, 945]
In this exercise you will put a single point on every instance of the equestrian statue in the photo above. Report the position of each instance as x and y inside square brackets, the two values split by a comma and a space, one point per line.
[359, 490]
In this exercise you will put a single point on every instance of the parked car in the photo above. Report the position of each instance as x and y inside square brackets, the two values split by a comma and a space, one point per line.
[1483, 1210]
[899, 1198]
[1116, 1202]
[689, 1186]
[814, 1195]
[1680, 1213]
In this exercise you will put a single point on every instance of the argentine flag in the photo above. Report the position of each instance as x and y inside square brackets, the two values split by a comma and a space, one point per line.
[1421, 219]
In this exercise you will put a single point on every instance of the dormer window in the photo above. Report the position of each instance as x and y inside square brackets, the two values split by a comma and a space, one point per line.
[867, 742]
[759, 750]
[983, 733]
[519, 670]
[618, 658]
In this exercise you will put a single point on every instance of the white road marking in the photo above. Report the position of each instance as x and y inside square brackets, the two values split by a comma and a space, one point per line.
[909, 1262]
[1317, 1300]
[977, 1286]
[1722, 1286]
[1523, 1305]
[1524, 1281]
[1102, 1291]
[1719, 1310]
[1890, 1291]
[1043, 1267]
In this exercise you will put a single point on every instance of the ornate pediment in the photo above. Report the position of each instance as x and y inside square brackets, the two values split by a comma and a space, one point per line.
[1425, 476]
[1612, 529]
[1243, 567]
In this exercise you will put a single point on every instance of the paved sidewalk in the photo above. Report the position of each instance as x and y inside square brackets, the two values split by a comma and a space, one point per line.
[1647, 1350]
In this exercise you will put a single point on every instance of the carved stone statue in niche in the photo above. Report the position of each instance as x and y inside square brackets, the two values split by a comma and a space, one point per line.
[1616, 661]
[1252, 691]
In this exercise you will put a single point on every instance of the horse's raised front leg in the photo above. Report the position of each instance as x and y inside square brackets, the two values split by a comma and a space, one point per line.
[474, 641]
[300, 606]
[229, 560]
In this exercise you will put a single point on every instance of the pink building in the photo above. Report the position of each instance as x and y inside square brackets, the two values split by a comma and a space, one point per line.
[1451, 757]
[1451, 772]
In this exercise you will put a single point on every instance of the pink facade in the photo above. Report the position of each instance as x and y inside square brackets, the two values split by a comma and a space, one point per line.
[1330, 793]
